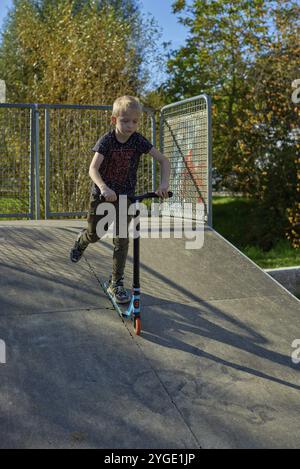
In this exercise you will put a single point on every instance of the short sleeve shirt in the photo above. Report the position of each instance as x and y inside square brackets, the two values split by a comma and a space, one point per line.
[121, 160]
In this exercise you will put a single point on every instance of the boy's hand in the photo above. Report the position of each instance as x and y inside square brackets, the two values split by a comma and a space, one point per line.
[108, 194]
[162, 191]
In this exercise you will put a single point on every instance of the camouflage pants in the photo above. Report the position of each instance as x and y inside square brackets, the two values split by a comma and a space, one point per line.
[121, 244]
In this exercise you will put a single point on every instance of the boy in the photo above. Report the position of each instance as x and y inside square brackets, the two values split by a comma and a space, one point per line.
[113, 171]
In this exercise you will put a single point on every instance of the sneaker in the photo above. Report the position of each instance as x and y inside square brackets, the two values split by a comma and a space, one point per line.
[77, 251]
[118, 292]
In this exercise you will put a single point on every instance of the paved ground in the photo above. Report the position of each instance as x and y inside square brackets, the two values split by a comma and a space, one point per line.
[212, 368]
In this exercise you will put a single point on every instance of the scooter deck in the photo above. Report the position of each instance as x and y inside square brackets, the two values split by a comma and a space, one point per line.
[124, 310]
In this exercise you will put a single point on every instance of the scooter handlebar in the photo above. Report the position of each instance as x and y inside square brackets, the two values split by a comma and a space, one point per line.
[147, 195]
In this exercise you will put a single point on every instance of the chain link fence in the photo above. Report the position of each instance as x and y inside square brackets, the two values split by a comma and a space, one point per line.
[185, 138]
[45, 153]
[16, 161]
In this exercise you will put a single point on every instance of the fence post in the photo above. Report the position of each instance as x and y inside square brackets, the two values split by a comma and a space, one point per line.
[37, 162]
[161, 141]
[209, 160]
[31, 170]
[47, 136]
[153, 129]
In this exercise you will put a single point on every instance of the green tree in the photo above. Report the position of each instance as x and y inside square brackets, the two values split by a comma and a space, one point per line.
[245, 55]
[75, 51]
[271, 169]
[225, 38]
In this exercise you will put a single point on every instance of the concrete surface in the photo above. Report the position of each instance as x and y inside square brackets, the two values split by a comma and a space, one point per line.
[288, 277]
[212, 368]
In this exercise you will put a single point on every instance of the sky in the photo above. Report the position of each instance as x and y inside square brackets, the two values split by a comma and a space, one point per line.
[4, 6]
[160, 9]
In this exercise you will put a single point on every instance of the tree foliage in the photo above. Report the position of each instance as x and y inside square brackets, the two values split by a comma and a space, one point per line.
[75, 51]
[245, 54]
[70, 52]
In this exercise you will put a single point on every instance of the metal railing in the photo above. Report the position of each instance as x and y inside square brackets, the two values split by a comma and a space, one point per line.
[70, 132]
[45, 153]
[17, 142]
[185, 138]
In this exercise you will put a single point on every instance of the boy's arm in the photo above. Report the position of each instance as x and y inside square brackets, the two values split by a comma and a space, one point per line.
[109, 194]
[162, 190]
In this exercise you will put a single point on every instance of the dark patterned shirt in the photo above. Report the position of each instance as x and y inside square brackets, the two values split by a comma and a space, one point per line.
[121, 160]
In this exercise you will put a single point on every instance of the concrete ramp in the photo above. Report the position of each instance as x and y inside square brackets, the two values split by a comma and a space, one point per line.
[212, 369]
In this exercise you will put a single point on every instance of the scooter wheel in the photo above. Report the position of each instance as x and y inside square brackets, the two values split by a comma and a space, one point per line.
[137, 326]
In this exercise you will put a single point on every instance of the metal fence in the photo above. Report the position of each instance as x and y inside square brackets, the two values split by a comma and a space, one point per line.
[45, 152]
[70, 133]
[185, 138]
[17, 134]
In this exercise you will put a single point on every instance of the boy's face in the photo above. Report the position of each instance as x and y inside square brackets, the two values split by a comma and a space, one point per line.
[126, 123]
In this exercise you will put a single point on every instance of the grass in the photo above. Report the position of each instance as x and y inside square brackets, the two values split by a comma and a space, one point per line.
[231, 218]
[239, 221]
[12, 205]
[282, 255]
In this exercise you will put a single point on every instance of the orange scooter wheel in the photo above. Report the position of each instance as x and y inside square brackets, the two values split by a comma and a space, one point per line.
[137, 326]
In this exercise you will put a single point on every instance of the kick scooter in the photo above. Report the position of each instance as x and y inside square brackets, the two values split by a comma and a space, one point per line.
[133, 311]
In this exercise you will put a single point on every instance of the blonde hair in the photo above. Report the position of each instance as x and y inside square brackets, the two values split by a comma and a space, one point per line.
[126, 103]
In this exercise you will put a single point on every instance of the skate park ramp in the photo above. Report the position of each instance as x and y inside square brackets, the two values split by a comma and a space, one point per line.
[212, 369]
